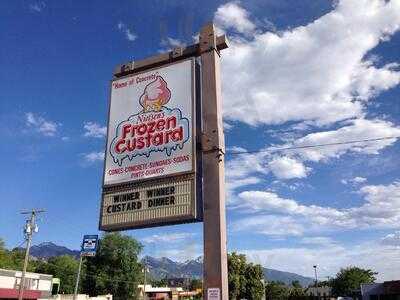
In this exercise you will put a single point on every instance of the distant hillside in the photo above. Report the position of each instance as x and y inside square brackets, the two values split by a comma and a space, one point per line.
[286, 277]
[48, 249]
[165, 267]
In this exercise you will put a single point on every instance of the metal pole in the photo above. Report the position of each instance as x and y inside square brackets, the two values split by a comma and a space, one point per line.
[213, 144]
[26, 260]
[316, 278]
[145, 282]
[78, 275]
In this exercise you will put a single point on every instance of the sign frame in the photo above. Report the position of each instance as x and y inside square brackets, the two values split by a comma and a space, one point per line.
[195, 172]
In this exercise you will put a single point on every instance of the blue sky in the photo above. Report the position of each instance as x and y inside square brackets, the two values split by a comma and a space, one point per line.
[296, 73]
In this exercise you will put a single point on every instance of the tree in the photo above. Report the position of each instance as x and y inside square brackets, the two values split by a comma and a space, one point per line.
[276, 290]
[350, 279]
[115, 269]
[65, 268]
[195, 284]
[245, 280]
[236, 275]
[5, 261]
[254, 287]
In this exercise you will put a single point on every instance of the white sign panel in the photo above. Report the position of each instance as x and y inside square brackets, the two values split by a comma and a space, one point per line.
[213, 294]
[151, 124]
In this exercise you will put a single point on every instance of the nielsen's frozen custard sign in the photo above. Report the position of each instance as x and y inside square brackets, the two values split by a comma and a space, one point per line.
[150, 130]
[155, 129]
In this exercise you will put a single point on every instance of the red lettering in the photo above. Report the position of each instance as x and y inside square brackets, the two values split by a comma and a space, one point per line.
[118, 148]
[171, 122]
[125, 130]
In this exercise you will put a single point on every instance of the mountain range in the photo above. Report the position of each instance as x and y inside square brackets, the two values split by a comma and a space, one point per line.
[165, 267]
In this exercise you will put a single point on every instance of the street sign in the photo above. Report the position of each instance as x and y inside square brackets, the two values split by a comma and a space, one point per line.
[89, 245]
[150, 159]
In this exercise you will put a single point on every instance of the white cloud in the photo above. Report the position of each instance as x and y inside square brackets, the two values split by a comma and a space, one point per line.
[167, 238]
[318, 241]
[130, 36]
[381, 209]
[92, 129]
[319, 72]
[93, 157]
[232, 16]
[286, 168]
[40, 124]
[330, 259]
[293, 163]
[270, 225]
[355, 130]
[355, 181]
[359, 179]
[186, 252]
[392, 239]
[171, 43]
[37, 6]
[238, 172]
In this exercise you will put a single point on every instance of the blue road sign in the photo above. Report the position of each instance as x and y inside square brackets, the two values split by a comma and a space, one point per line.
[89, 245]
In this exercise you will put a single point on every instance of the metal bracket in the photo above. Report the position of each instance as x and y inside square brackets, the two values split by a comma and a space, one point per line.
[176, 52]
[207, 146]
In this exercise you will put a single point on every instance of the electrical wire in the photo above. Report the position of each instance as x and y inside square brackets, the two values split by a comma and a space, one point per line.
[312, 146]
[18, 246]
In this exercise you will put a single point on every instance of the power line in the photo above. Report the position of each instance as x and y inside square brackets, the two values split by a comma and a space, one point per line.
[312, 146]
[19, 245]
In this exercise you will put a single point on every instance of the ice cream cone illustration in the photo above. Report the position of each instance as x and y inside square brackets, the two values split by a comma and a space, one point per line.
[155, 95]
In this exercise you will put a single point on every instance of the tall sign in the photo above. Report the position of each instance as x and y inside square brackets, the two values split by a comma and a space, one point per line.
[165, 149]
[150, 160]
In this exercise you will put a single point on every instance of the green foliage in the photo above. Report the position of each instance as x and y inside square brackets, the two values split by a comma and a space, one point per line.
[254, 288]
[65, 268]
[195, 284]
[236, 275]
[12, 260]
[296, 290]
[350, 279]
[244, 279]
[115, 269]
[276, 290]
[4, 256]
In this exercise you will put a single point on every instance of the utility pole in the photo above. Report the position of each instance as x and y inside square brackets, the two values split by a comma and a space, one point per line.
[78, 276]
[29, 229]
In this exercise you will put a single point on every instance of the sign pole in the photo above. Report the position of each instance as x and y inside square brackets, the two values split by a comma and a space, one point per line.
[215, 283]
[78, 275]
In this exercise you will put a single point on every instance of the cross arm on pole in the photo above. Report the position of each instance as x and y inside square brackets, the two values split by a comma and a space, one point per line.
[179, 53]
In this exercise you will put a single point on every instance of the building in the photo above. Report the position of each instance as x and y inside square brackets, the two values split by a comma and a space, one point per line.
[159, 293]
[388, 290]
[36, 285]
[81, 297]
[178, 282]
[320, 291]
